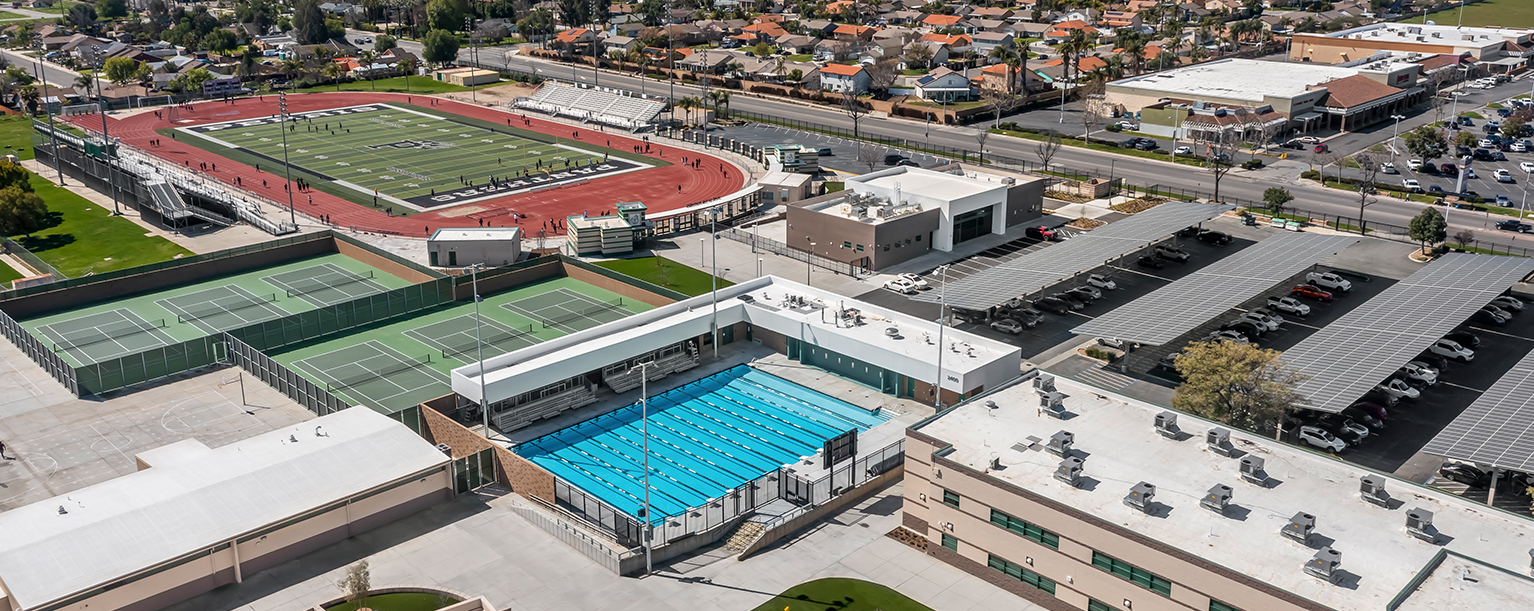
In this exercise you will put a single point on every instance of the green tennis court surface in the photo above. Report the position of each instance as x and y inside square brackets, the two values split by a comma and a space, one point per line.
[118, 327]
[418, 159]
[400, 364]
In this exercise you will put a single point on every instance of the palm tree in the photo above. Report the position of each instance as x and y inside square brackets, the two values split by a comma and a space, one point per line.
[686, 105]
[1198, 54]
[1133, 45]
[1016, 60]
[290, 68]
[407, 66]
[84, 83]
[334, 72]
[30, 96]
[722, 100]
[1076, 45]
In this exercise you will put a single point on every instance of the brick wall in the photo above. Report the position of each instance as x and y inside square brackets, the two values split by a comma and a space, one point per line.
[514, 472]
[381, 262]
[622, 288]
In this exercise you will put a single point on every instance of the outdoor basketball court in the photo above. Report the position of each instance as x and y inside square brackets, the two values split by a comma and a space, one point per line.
[219, 309]
[373, 374]
[567, 310]
[105, 335]
[325, 284]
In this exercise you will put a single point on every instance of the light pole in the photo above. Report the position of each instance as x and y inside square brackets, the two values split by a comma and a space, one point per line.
[468, 26]
[287, 170]
[713, 277]
[759, 262]
[53, 135]
[644, 417]
[106, 140]
[807, 263]
[942, 321]
[1062, 102]
[484, 402]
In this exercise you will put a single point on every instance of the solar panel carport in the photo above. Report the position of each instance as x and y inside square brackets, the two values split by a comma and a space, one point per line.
[1498, 428]
[1034, 272]
[1344, 360]
[1172, 310]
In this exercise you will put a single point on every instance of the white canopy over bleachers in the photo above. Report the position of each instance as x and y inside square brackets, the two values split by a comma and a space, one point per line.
[594, 105]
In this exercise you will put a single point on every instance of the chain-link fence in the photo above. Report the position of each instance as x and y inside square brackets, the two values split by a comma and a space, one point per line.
[296, 387]
[40, 353]
[9, 247]
[146, 365]
[762, 244]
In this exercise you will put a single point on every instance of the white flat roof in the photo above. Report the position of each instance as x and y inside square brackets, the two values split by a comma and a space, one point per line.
[1445, 34]
[477, 234]
[927, 183]
[1124, 448]
[1238, 79]
[193, 498]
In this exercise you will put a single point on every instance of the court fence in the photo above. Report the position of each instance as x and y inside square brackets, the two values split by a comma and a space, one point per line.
[40, 353]
[296, 387]
[10, 247]
[151, 364]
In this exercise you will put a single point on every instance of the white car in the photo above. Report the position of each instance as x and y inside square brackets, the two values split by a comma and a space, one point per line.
[1414, 164]
[1261, 320]
[1318, 438]
[1398, 389]
[1101, 281]
[1129, 126]
[901, 285]
[1511, 304]
[1451, 349]
[1412, 185]
[916, 280]
[1289, 305]
[1183, 150]
[1519, 147]
[1329, 281]
[1469, 173]
[1172, 252]
[1486, 144]
[1418, 374]
[1502, 176]
[1388, 168]
[1426, 367]
[1527, 166]
[1227, 336]
[1007, 325]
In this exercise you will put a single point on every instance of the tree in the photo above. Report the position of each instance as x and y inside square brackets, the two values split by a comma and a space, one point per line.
[82, 15]
[384, 42]
[219, 41]
[882, 75]
[30, 96]
[112, 9]
[368, 59]
[1428, 227]
[13, 175]
[1513, 127]
[309, 23]
[1464, 237]
[120, 70]
[191, 81]
[537, 23]
[356, 582]
[868, 154]
[444, 15]
[407, 67]
[1238, 384]
[918, 57]
[1465, 138]
[1047, 148]
[439, 47]
[21, 211]
[1094, 107]
[1369, 170]
[334, 72]
[1276, 197]
[853, 109]
[1219, 153]
[1425, 143]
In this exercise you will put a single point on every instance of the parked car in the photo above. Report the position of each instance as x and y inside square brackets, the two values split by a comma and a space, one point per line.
[1214, 237]
[1502, 175]
[1490, 315]
[1470, 173]
[825, 151]
[1388, 168]
[1412, 185]
[1075, 302]
[1150, 262]
[1129, 126]
[1513, 225]
[894, 158]
[1432, 361]
[901, 285]
[1171, 252]
[1168, 362]
[1227, 336]
[1183, 150]
[1465, 474]
[1527, 166]
[1050, 304]
[1346, 429]
[1293, 144]
[1086, 293]
[1268, 323]
[1289, 305]
[1329, 281]
[1509, 303]
[1321, 148]
[1146, 144]
[1244, 327]
[1042, 233]
[1370, 413]
[1417, 375]
[1449, 169]
[908, 163]
[1399, 389]
[1318, 438]
[1101, 281]
[1310, 292]
[1007, 325]
[916, 280]
[1464, 338]
[1414, 164]
[1451, 349]
[1503, 200]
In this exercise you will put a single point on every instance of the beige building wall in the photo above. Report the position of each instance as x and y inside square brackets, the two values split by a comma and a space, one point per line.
[1327, 50]
[1194, 581]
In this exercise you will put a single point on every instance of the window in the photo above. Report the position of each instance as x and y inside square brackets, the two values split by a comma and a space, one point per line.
[1016, 571]
[846, 244]
[1132, 574]
[1093, 605]
[951, 498]
[950, 542]
[1025, 529]
[886, 248]
[1215, 605]
[860, 248]
[918, 238]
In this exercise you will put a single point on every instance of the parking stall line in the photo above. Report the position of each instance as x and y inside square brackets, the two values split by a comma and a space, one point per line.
[1462, 387]
[1499, 333]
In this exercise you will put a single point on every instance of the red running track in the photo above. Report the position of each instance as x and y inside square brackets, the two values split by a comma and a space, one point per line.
[657, 188]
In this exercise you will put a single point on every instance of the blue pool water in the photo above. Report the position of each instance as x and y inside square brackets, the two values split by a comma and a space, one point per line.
[706, 438]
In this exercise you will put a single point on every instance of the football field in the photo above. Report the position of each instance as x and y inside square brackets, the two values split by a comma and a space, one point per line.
[414, 158]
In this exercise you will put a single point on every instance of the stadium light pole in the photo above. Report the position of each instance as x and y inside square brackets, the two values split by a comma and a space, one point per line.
[468, 26]
[713, 278]
[106, 140]
[479, 342]
[942, 306]
[53, 134]
[644, 417]
[287, 170]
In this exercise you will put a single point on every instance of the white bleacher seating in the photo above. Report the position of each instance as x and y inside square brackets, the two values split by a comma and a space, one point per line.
[594, 105]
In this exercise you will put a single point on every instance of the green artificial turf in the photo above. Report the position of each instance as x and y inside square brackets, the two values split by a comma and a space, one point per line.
[664, 273]
[7, 274]
[16, 136]
[418, 84]
[1505, 13]
[839, 594]
[82, 235]
[399, 601]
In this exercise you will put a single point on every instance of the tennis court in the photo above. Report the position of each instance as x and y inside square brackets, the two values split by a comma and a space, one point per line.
[105, 335]
[222, 308]
[567, 310]
[325, 284]
[373, 374]
[458, 339]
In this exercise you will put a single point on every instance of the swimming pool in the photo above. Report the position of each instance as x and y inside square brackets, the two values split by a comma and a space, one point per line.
[706, 438]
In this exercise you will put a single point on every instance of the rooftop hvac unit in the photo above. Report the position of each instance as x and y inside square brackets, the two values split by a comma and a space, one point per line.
[1326, 564]
[1217, 499]
[1419, 524]
[1060, 443]
[445, 449]
[1219, 441]
[1053, 404]
[1044, 383]
[1166, 425]
[1372, 489]
[1069, 471]
[1299, 527]
[1140, 496]
[1251, 470]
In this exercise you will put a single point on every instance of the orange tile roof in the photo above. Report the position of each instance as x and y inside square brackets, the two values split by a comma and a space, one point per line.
[1150, 52]
[1088, 64]
[855, 30]
[941, 20]
[951, 40]
[1074, 24]
[841, 69]
[570, 35]
[767, 28]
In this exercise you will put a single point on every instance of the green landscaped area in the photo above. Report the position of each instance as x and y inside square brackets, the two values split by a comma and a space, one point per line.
[665, 273]
[839, 594]
[399, 601]
[16, 136]
[1072, 141]
[10, 15]
[417, 154]
[7, 274]
[1505, 13]
[83, 236]
[416, 353]
[419, 84]
[800, 58]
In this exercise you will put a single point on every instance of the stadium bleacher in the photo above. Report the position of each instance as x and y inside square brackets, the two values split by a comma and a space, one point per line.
[593, 105]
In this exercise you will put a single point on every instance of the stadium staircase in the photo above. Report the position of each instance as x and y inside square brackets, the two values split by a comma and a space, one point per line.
[166, 201]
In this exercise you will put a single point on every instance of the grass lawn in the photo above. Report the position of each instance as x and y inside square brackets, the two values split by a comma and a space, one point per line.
[58, 8]
[1071, 141]
[83, 235]
[840, 594]
[10, 15]
[400, 601]
[419, 84]
[7, 274]
[800, 58]
[1505, 13]
[1473, 115]
[665, 273]
[16, 135]
[832, 187]
[914, 72]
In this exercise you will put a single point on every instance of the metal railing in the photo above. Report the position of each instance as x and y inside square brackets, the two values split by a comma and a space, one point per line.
[764, 244]
[10, 247]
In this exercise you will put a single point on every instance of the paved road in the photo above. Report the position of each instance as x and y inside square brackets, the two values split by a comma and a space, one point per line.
[52, 73]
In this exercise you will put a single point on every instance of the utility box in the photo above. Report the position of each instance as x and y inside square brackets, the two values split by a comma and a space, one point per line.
[1219, 441]
[1419, 524]
[1140, 496]
[1044, 383]
[1299, 527]
[1069, 471]
[1060, 443]
[1326, 564]
[1372, 489]
[1166, 425]
[1252, 470]
[1217, 499]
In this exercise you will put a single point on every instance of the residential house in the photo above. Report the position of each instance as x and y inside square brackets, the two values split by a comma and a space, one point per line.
[686, 34]
[944, 85]
[274, 42]
[837, 50]
[903, 17]
[1120, 19]
[675, 16]
[1191, 13]
[897, 33]
[1136, 6]
[1006, 79]
[1086, 15]
[854, 33]
[792, 44]
[577, 40]
[993, 12]
[707, 62]
[818, 27]
[631, 28]
[765, 31]
[1233, 6]
[881, 49]
[619, 44]
[985, 42]
[957, 44]
[341, 8]
[940, 55]
[1063, 30]
[1029, 29]
[221, 85]
[998, 26]
[840, 78]
[943, 22]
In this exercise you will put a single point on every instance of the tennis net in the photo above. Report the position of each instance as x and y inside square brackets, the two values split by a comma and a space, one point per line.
[129, 328]
[214, 308]
[614, 306]
[494, 338]
[369, 376]
[315, 285]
